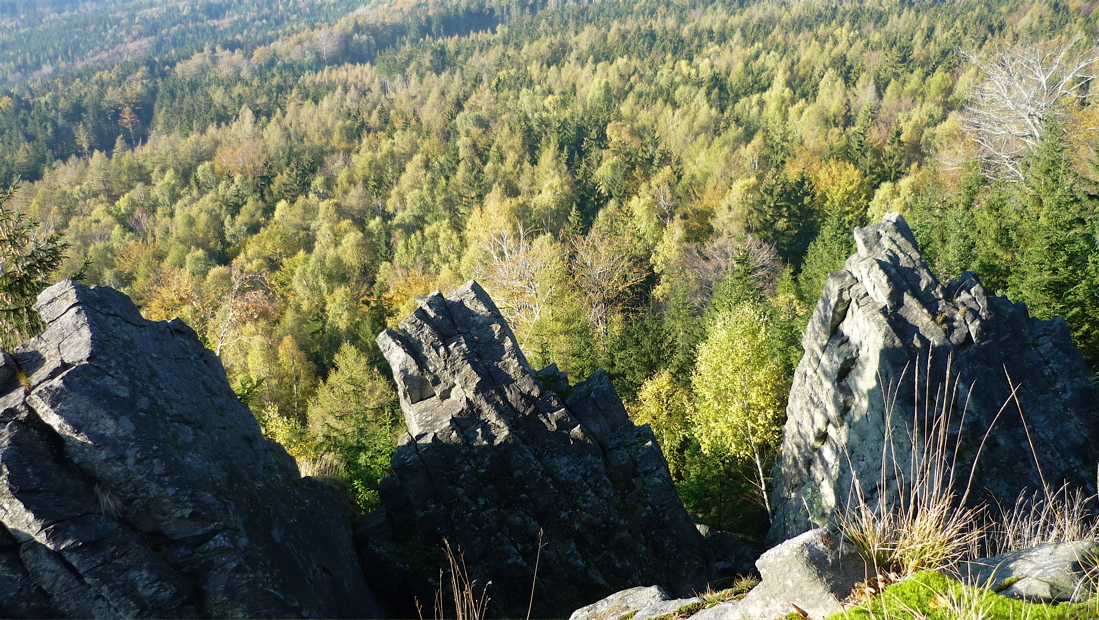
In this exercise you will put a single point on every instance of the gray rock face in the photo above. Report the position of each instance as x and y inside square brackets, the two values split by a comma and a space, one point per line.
[1053, 572]
[133, 484]
[877, 352]
[812, 573]
[494, 463]
[642, 602]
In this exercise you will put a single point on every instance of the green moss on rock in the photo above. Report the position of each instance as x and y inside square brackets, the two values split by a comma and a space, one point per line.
[933, 596]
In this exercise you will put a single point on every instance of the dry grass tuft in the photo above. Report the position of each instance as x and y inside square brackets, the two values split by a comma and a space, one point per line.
[1041, 517]
[929, 533]
[468, 604]
[924, 527]
[928, 525]
[108, 500]
[324, 465]
[739, 589]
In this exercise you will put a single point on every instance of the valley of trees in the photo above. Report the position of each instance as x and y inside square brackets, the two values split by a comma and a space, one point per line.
[659, 188]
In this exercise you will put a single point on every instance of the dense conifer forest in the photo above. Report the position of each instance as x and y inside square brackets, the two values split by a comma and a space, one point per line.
[658, 187]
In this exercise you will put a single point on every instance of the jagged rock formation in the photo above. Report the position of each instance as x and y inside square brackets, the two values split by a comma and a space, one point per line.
[134, 484]
[882, 341]
[494, 463]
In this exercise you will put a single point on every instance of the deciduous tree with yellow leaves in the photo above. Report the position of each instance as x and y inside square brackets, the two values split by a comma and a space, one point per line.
[740, 386]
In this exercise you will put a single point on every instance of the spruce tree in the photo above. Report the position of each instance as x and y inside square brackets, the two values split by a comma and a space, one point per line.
[29, 258]
[1055, 271]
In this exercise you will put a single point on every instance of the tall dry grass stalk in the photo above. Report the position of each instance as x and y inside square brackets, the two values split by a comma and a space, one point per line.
[924, 524]
[927, 524]
[534, 581]
[468, 604]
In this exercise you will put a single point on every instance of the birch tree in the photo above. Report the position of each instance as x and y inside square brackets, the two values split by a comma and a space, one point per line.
[1025, 87]
[740, 387]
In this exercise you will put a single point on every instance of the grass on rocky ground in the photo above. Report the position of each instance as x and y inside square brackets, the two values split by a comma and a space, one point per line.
[710, 598]
[930, 595]
[737, 591]
[930, 528]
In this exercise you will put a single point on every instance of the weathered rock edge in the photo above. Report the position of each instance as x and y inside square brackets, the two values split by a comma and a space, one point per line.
[1050, 572]
[809, 575]
[884, 331]
[495, 463]
[134, 484]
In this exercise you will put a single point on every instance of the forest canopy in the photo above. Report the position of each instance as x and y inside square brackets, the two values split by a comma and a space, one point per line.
[657, 188]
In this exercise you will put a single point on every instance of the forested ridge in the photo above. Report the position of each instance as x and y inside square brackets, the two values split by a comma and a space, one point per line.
[657, 188]
[38, 39]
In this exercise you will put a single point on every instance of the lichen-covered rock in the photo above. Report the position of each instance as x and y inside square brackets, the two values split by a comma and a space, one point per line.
[1052, 572]
[640, 603]
[882, 341]
[134, 484]
[495, 464]
[807, 575]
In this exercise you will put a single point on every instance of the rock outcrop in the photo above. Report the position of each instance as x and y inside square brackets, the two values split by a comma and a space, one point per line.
[498, 465]
[888, 350]
[808, 575]
[134, 484]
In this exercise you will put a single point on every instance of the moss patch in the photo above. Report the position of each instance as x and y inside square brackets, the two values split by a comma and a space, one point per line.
[740, 589]
[1006, 583]
[932, 596]
[683, 612]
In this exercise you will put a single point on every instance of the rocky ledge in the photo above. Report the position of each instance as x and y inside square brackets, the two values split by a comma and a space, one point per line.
[134, 484]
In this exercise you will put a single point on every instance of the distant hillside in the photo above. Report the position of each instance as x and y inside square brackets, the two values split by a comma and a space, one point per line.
[39, 39]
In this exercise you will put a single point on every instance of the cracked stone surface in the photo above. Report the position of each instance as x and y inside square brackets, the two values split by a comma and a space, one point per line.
[1050, 572]
[494, 462]
[134, 484]
[879, 347]
[642, 602]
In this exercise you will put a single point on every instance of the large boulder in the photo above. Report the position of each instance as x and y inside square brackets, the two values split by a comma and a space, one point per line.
[1050, 572]
[515, 475]
[808, 575]
[134, 484]
[888, 350]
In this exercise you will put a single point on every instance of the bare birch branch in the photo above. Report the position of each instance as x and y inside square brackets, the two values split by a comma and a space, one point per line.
[1025, 87]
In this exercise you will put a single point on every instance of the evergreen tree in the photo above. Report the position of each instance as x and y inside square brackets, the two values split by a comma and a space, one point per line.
[29, 258]
[354, 414]
[860, 153]
[893, 157]
[833, 245]
[1055, 265]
